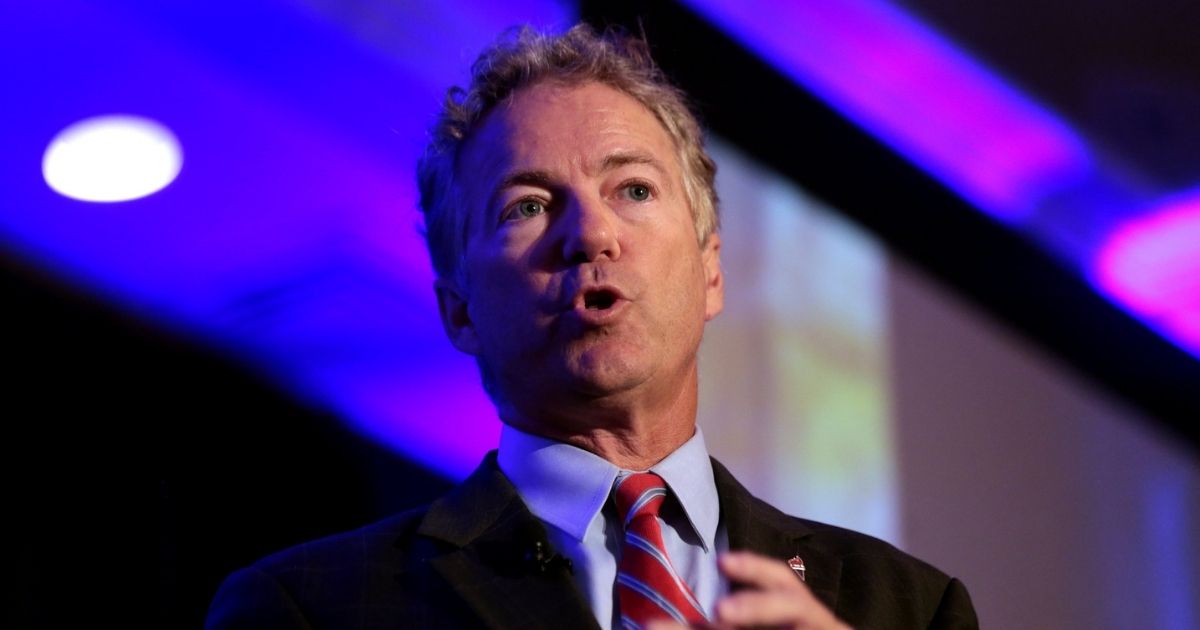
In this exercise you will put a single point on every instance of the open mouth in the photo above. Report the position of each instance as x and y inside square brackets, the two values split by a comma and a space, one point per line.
[599, 300]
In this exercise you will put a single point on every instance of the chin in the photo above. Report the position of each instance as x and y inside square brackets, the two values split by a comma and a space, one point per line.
[599, 377]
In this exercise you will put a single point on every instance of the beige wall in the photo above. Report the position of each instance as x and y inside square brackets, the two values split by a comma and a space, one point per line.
[1060, 506]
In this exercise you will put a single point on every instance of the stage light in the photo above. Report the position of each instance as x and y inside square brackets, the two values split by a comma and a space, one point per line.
[112, 158]
[1152, 265]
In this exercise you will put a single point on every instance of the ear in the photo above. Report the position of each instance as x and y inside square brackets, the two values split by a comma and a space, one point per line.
[714, 278]
[456, 319]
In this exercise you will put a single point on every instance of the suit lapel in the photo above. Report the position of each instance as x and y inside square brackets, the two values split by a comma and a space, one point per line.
[485, 532]
[490, 534]
[753, 525]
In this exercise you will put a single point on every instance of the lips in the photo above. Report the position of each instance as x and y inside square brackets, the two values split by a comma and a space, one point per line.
[599, 300]
[597, 305]
[596, 298]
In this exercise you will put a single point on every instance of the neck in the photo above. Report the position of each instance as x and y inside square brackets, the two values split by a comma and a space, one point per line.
[632, 450]
[631, 434]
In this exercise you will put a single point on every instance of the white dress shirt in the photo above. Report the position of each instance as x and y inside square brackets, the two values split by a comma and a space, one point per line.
[568, 488]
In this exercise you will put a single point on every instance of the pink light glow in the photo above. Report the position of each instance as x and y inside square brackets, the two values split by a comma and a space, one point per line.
[1152, 266]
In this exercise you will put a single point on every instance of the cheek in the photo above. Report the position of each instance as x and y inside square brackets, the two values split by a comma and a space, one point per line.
[501, 292]
[681, 286]
[501, 280]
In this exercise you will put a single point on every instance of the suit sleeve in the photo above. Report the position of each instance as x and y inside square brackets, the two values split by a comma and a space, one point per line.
[251, 598]
[955, 611]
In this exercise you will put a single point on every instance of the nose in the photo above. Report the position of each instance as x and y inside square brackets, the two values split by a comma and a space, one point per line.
[590, 231]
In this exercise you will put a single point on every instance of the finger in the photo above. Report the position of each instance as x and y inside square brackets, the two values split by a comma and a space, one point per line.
[758, 571]
[774, 608]
[758, 608]
[665, 625]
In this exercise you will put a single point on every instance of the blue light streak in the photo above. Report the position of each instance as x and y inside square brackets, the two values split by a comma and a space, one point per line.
[916, 92]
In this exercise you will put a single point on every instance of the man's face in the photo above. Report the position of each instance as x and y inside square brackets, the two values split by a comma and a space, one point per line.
[585, 282]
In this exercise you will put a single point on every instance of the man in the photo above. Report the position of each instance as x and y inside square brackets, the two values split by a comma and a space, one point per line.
[571, 218]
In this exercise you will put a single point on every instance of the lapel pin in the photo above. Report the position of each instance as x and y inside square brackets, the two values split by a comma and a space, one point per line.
[797, 565]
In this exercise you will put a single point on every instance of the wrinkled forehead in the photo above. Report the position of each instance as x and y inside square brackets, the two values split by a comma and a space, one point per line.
[554, 124]
[489, 147]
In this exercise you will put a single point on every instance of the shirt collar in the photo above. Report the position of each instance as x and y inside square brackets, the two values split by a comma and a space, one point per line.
[567, 486]
[688, 472]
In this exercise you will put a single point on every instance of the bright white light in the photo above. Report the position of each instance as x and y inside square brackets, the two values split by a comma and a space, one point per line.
[112, 158]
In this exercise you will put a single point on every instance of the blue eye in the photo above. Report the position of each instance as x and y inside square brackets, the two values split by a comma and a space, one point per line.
[529, 208]
[637, 192]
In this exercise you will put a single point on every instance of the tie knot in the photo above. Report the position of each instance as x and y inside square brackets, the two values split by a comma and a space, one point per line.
[639, 494]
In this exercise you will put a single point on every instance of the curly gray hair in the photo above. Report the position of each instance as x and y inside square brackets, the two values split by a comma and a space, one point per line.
[524, 57]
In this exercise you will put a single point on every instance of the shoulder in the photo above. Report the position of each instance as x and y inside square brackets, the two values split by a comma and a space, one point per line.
[758, 525]
[869, 583]
[298, 587]
[879, 584]
[377, 576]
[349, 550]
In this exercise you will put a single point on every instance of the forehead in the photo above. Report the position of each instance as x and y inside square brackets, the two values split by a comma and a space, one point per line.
[555, 126]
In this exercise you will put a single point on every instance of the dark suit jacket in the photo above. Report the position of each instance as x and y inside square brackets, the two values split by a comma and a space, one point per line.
[465, 562]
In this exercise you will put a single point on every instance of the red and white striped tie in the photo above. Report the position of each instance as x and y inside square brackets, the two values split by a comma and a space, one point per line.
[648, 587]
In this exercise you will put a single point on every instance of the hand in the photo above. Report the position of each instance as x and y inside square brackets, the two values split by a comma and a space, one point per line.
[774, 597]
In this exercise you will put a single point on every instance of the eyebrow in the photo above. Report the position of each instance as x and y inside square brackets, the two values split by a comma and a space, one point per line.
[617, 160]
[525, 178]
